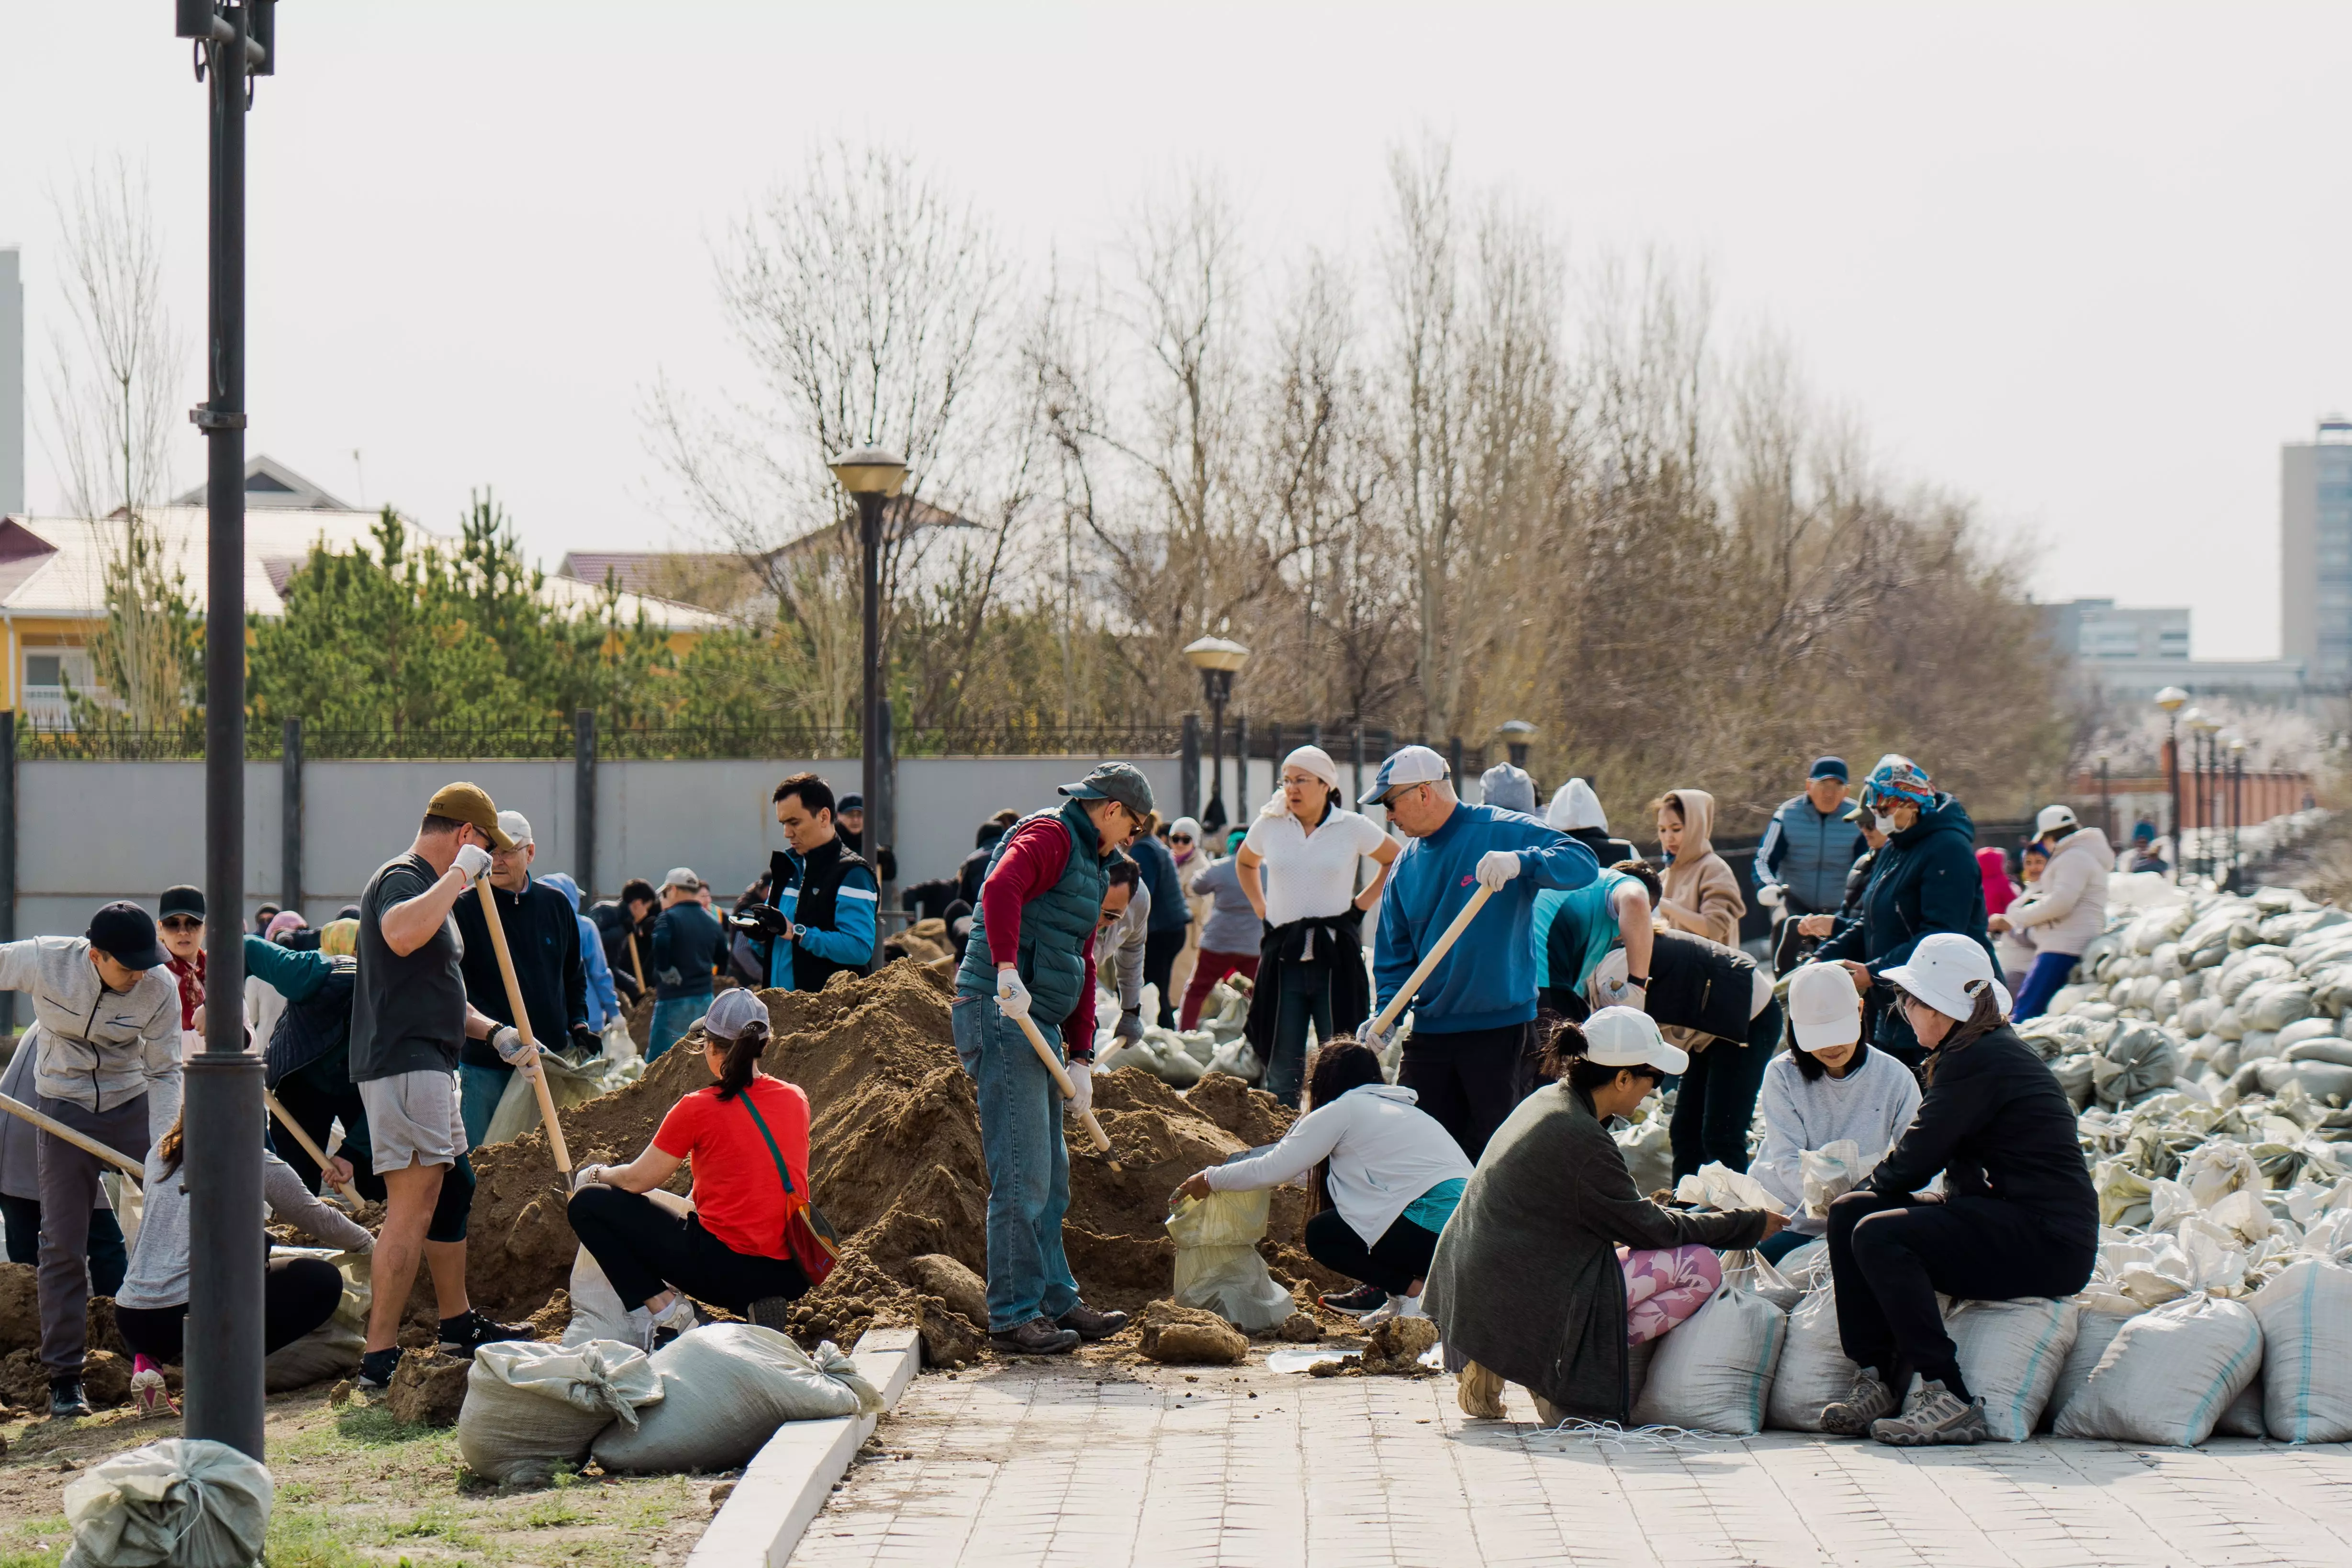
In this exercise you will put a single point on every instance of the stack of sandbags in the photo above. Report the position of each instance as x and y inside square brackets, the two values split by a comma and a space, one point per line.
[532, 1407]
[725, 1389]
[1712, 1373]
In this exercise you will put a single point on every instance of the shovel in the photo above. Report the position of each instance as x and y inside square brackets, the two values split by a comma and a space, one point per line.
[1053, 1060]
[1445, 942]
[522, 1025]
[88, 1145]
[318, 1156]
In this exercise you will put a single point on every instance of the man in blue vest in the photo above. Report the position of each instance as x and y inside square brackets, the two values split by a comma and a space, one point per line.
[1031, 956]
[1808, 846]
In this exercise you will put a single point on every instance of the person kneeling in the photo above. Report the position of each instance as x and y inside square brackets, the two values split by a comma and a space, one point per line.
[749, 1139]
[2018, 1216]
[1552, 1264]
[1387, 1176]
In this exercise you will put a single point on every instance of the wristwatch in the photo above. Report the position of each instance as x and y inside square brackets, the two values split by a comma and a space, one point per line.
[1641, 980]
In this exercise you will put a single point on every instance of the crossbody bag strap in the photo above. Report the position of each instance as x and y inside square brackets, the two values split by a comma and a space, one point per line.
[778, 1154]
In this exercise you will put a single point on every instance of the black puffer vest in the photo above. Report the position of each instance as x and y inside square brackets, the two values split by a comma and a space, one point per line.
[818, 877]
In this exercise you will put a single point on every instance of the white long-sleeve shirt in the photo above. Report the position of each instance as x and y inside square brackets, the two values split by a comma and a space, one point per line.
[1872, 1105]
[1385, 1151]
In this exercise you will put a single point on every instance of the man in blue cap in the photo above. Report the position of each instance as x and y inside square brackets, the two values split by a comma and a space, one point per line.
[1467, 1056]
[1032, 955]
[1808, 846]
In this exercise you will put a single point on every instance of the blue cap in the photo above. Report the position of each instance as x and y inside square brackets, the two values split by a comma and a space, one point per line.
[1829, 768]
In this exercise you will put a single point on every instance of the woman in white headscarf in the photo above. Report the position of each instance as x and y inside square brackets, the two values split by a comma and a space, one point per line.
[1299, 868]
[1185, 849]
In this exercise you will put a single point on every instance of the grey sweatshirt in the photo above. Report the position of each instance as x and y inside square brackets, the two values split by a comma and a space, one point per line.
[158, 1276]
[1872, 1105]
[98, 1049]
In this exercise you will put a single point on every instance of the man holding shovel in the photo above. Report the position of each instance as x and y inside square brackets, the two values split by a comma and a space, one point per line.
[1032, 956]
[409, 1020]
[1467, 1054]
[543, 939]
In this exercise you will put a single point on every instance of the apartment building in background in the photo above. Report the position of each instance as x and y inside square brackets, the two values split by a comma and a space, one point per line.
[2315, 554]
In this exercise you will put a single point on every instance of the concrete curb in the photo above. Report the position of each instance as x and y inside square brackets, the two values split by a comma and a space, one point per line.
[786, 1483]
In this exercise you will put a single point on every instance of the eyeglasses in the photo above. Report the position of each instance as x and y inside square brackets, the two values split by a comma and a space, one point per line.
[1180, 838]
[182, 923]
[1389, 801]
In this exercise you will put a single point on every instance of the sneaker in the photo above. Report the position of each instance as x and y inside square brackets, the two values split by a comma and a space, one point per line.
[66, 1401]
[772, 1312]
[1089, 1324]
[1936, 1415]
[1394, 1307]
[470, 1331]
[147, 1390]
[1362, 1298]
[1865, 1403]
[668, 1324]
[1038, 1336]
[377, 1368]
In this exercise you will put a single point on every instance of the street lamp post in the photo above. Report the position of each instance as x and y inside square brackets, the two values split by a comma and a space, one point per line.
[2106, 803]
[2237, 802]
[871, 475]
[2193, 722]
[1517, 735]
[1218, 659]
[234, 42]
[2169, 700]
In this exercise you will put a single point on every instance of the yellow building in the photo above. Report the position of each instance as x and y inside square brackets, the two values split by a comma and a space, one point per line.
[53, 576]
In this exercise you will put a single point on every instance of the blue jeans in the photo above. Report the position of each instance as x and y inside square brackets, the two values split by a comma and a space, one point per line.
[1305, 1000]
[1028, 1166]
[479, 1089]
[672, 1017]
[2042, 983]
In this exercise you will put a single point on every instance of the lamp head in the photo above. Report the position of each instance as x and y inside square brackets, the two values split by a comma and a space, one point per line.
[1220, 654]
[870, 470]
[2170, 699]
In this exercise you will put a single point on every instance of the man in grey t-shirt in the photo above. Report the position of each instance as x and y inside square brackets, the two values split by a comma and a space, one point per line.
[409, 1018]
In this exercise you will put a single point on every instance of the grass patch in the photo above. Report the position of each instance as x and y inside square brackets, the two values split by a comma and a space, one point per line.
[549, 1512]
[35, 1543]
[376, 1427]
[441, 1525]
[305, 1537]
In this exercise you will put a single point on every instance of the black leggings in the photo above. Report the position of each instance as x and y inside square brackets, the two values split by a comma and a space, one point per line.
[1160, 951]
[1717, 1102]
[316, 1106]
[644, 1249]
[1393, 1263]
[1890, 1256]
[296, 1296]
[109, 1259]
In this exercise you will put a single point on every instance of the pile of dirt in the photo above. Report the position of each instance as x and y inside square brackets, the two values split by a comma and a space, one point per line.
[896, 1163]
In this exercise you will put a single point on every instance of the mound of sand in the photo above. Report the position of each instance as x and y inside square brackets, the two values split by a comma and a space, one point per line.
[896, 1163]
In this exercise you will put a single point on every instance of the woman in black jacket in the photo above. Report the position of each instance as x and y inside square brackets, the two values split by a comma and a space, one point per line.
[2017, 1217]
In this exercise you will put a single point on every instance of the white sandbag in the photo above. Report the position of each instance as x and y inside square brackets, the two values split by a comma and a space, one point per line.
[2011, 1354]
[620, 1046]
[726, 1388]
[1714, 1371]
[531, 1407]
[2245, 1417]
[518, 1109]
[2095, 1331]
[331, 1350]
[2330, 1048]
[1813, 1369]
[1648, 1152]
[1238, 1057]
[1217, 1262]
[2307, 1318]
[597, 1310]
[1718, 1186]
[2320, 1081]
[2168, 1374]
[1807, 1267]
[1830, 1171]
[187, 1502]
[2280, 1004]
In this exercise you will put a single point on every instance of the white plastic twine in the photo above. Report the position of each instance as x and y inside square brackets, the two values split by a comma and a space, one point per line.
[1660, 1439]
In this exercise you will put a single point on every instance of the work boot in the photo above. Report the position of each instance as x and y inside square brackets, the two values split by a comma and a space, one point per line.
[772, 1312]
[1936, 1415]
[1362, 1298]
[1091, 1324]
[1865, 1403]
[66, 1401]
[1038, 1336]
[470, 1331]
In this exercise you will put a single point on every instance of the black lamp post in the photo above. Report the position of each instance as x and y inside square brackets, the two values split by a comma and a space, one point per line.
[871, 475]
[2107, 806]
[2169, 700]
[235, 40]
[2237, 802]
[1516, 734]
[1218, 659]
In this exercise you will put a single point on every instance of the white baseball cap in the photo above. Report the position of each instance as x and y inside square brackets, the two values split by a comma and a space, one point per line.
[1412, 765]
[683, 877]
[1823, 1007]
[515, 826]
[1628, 1038]
[1948, 972]
[2052, 818]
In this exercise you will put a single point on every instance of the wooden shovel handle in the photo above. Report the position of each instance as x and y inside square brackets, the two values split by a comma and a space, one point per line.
[522, 1022]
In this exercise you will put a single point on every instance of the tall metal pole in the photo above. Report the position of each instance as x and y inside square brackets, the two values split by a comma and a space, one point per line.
[869, 740]
[223, 1083]
[1217, 745]
[2172, 778]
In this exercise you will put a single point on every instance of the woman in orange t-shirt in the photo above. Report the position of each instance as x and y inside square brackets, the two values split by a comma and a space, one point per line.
[730, 1249]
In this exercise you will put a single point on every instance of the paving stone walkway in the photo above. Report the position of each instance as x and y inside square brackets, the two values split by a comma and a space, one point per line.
[1050, 1463]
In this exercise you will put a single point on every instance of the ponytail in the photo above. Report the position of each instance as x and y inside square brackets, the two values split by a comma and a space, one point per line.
[742, 1060]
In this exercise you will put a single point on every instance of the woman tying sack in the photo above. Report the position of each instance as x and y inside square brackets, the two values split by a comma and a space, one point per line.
[1552, 1264]
[1387, 1176]
[748, 1136]
[2017, 1217]
[1311, 962]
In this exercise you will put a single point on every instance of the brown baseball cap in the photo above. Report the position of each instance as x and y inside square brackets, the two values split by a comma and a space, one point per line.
[470, 804]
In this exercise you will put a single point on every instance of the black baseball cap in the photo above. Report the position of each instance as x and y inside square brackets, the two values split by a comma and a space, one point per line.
[850, 803]
[126, 934]
[181, 900]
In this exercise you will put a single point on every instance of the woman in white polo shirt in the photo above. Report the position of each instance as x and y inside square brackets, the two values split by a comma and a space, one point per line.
[1298, 869]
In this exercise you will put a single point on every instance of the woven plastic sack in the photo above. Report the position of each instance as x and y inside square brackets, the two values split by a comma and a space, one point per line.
[1217, 1262]
[2319, 1080]
[1719, 1187]
[531, 1407]
[1830, 1172]
[2281, 1005]
[597, 1310]
[1648, 1154]
[2245, 1417]
[2307, 1318]
[186, 1503]
[1712, 1373]
[1813, 1369]
[2095, 1331]
[518, 1108]
[332, 1349]
[2168, 1374]
[726, 1388]
[2011, 1354]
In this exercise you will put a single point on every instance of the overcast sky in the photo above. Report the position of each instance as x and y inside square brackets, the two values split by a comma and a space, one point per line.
[2086, 264]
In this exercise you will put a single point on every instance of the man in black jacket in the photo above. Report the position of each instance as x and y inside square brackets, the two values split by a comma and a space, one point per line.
[617, 921]
[543, 935]
[850, 826]
[824, 902]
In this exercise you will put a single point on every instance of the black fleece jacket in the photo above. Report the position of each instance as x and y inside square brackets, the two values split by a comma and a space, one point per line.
[542, 932]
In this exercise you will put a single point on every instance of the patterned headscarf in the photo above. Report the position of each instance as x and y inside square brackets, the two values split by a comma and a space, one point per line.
[1898, 778]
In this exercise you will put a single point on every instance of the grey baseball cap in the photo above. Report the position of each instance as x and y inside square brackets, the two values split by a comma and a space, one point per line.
[1121, 781]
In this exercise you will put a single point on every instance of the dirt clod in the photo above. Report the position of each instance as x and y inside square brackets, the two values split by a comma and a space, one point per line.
[106, 1379]
[429, 1388]
[1189, 1336]
[1300, 1329]
[949, 1339]
[1398, 1345]
[937, 1273]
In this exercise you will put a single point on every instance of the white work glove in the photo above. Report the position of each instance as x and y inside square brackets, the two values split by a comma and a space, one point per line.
[1082, 1079]
[1772, 895]
[1372, 1036]
[473, 862]
[1010, 995]
[1496, 866]
[507, 1040]
[1129, 1026]
[588, 1176]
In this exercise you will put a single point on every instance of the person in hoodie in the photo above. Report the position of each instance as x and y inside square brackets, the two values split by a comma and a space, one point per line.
[1576, 811]
[2012, 945]
[1702, 892]
[1808, 847]
[1468, 1057]
[1508, 786]
[1386, 1178]
[1923, 880]
[604, 996]
[2066, 910]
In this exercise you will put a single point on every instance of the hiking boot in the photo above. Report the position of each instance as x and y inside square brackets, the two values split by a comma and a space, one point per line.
[1038, 1336]
[66, 1401]
[470, 1331]
[1865, 1403]
[377, 1368]
[772, 1312]
[1936, 1415]
[1362, 1298]
[1089, 1324]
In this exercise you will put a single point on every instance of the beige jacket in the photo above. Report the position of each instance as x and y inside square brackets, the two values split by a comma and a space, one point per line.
[1701, 893]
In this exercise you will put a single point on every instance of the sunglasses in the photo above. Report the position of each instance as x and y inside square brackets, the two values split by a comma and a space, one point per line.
[182, 923]
[1180, 838]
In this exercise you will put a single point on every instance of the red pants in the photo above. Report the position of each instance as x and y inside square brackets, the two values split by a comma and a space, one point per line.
[1207, 970]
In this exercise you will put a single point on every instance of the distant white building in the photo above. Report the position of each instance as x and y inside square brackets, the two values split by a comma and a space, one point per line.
[2315, 554]
[2122, 654]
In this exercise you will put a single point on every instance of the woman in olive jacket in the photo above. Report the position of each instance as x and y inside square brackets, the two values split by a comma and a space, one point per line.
[1526, 1282]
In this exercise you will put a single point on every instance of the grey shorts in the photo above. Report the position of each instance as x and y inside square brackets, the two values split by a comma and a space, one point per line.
[414, 1117]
